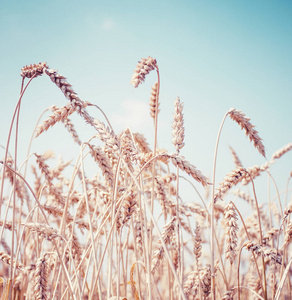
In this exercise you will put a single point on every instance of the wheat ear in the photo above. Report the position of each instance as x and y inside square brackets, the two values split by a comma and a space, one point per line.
[40, 282]
[236, 159]
[178, 129]
[43, 230]
[167, 236]
[278, 154]
[154, 107]
[66, 88]
[288, 234]
[33, 70]
[239, 117]
[230, 180]
[6, 258]
[187, 167]
[59, 114]
[231, 228]
[271, 254]
[144, 66]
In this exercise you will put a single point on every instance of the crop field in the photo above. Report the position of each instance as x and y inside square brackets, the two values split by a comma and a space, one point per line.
[113, 223]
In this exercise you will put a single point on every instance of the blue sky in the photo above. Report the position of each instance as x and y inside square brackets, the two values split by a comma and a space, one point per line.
[214, 55]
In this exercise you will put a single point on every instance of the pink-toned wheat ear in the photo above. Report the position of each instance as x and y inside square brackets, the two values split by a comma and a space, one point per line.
[144, 67]
[231, 228]
[244, 122]
[178, 130]
[154, 108]
[236, 159]
[33, 70]
[278, 154]
[40, 282]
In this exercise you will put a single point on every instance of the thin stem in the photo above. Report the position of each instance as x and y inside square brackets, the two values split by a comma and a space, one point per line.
[247, 234]
[154, 163]
[8, 141]
[212, 212]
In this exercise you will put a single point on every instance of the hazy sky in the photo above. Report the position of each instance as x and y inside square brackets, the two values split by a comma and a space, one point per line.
[214, 55]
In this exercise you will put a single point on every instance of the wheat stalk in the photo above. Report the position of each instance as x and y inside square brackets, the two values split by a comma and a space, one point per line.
[231, 228]
[40, 282]
[33, 70]
[144, 66]
[239, 117]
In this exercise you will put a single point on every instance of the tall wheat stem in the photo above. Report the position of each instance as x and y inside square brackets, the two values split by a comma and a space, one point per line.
[16, 111]
[154, 163]
[212, 212]
[87, 207]
[179, 267]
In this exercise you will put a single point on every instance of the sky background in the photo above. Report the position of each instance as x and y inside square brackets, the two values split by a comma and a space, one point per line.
[214, 55]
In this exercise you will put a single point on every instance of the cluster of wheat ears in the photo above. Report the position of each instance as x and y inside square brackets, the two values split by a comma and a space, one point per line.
[126, 233]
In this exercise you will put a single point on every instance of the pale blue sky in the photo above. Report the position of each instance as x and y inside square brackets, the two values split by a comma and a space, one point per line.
[213, 54]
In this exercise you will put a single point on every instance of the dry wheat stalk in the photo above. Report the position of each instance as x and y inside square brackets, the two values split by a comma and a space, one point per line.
[129, 205]
[59, 114]
[66, 88]
[271, 254]
[75, 248]
[57, 212]
[154, 107]
[128, 148]
[168, 178]
[239, 117]
[191, 285]
[70, 127]
[195, 208]
[33, 70]
[99, 157]
[288, 210]
[43, 230]
[205, 277]
[138, 232]
[236, 159]
[144, 158]
[178, 129]
[7, 259]
[167, 235]
[197, 250]
[53, 190]
[254, 172]
[231, 228]
[230, 180]
[40, 282]
[270, 235]
[288, 234]
[144, 66]
[278, 154]
[229, 295]
[187, 167]
[161, 194]
[141, 142]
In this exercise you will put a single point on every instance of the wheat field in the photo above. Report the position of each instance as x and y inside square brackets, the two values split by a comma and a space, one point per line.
[126, 232]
